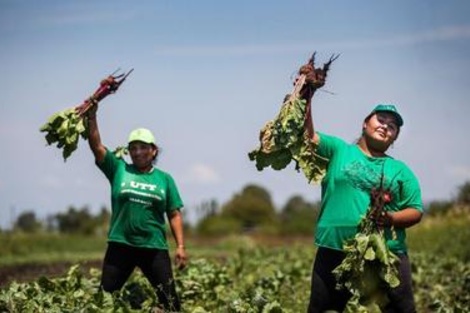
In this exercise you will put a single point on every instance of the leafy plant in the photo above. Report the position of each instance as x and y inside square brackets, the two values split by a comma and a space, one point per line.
[254, 279]
[369, 266]
[65, 127]
[284, 138]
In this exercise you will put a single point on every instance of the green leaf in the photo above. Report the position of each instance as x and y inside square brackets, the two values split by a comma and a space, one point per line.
[380, 247]
[283, 140]
[46, 284]
[370, 254]
[65, 128]
[51, 138]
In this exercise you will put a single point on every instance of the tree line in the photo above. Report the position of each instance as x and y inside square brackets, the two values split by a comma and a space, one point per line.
[249, 211]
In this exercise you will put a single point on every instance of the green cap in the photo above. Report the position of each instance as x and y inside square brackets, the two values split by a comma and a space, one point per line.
[388, 108]
[142, 134]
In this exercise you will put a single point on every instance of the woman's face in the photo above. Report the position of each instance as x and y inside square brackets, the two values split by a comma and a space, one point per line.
[142, 154]
[381, 130]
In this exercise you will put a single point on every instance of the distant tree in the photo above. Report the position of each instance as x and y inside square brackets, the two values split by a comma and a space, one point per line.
[27, 222]
[252, 207]
[76, 221]
[294, 205]
[217, 225]
[441, 207]
[101, 221]
[299, 216]
[208, 208]
[463, 195]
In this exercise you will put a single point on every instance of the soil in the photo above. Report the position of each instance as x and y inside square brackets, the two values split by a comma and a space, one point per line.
[30, 272]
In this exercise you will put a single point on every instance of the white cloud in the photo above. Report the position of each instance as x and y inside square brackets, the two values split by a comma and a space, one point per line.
[74, 18]
[16, 17]
[446, 33]
[201, 173]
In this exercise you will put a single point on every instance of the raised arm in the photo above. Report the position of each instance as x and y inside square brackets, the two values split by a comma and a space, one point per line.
[94, 139]
[311, 79]
[309, 126]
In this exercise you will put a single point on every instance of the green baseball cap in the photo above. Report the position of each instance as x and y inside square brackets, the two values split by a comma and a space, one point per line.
[388, 108]
[142, 134]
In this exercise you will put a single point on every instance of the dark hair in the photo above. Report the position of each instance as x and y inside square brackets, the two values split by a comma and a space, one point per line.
[155, 158]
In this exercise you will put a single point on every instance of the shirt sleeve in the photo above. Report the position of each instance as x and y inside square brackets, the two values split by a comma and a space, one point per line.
[173, 199]
[109, 165]
[410, 191]
[328, 145]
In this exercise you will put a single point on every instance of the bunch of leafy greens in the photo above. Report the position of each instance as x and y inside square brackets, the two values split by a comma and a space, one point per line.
[368, 268]
[64, 129]
[284, 139]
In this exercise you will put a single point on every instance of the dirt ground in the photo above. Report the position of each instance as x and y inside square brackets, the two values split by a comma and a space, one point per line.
[31, 272]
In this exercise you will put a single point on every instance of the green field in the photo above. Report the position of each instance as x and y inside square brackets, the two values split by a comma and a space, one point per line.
[232, 274]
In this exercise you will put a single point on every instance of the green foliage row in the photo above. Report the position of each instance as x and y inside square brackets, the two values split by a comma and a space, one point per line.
[252, 280]
[17, 248]
[446, 236]
[239, 274]
[441, 283]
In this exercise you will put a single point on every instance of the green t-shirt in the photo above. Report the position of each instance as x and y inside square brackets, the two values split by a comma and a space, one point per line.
[139, 202]
[346, 187]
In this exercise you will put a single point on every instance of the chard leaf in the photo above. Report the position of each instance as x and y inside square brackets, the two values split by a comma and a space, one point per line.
[283, 140]
[65, 128]
[370, 254]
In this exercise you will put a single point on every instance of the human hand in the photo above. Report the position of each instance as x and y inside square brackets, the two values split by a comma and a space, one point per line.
[382, 219]
[180, 258]
[87, 108]
[314, 77]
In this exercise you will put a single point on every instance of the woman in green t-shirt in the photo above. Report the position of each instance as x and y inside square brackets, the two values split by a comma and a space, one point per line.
[141, 196]
[353, 171]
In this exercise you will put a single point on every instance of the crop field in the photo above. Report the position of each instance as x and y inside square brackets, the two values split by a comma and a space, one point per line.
[233, 274]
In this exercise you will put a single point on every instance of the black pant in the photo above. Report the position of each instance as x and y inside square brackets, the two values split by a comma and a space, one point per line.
[120, 261]
[324, 295]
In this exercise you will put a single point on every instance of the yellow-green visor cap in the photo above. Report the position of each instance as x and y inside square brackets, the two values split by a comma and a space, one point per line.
[143, 135]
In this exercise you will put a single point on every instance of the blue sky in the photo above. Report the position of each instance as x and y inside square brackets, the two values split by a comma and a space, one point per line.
[209, 74]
